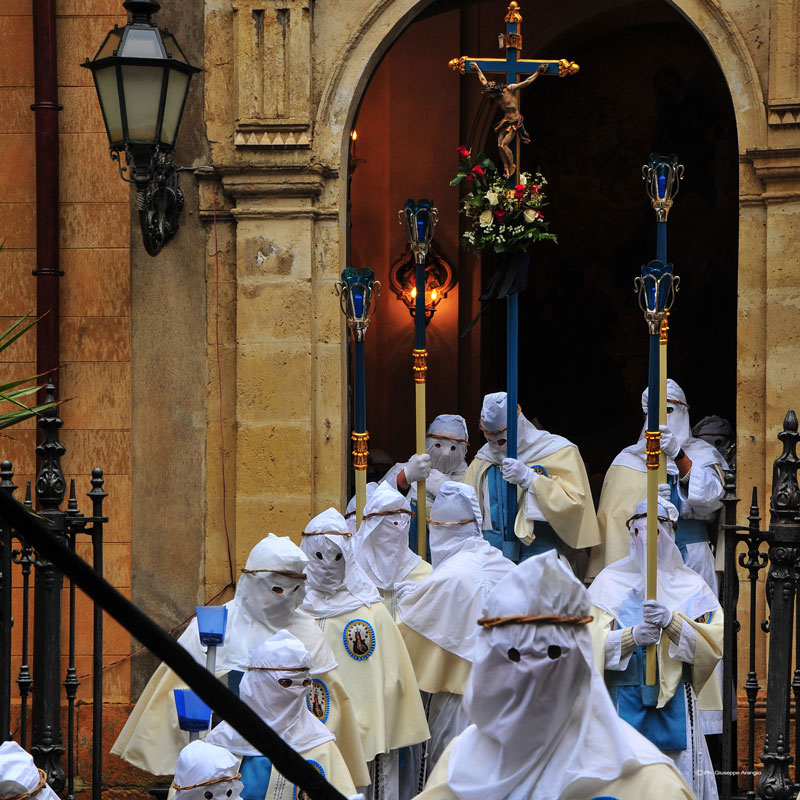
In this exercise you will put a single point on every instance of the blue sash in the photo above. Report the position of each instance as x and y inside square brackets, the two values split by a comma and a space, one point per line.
[636, 704]
[412, 534]
[256, 771]
[497, 536]
[689, 531]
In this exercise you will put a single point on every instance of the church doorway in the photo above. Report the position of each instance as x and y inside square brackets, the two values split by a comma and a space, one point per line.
[648, 82]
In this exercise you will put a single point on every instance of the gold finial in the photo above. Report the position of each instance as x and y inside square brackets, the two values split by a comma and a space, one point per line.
[567, 68]
[513, 14]
[458, 64]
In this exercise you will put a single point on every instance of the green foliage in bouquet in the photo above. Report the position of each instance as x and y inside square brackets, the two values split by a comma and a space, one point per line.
[502, 219]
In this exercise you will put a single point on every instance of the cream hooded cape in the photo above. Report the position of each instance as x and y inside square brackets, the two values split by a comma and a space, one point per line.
[151, 738]
[543, 723]
[564, 498]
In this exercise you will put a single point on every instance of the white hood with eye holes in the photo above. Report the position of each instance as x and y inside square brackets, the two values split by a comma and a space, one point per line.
[200, 762]
[337, 584]
[283, 708]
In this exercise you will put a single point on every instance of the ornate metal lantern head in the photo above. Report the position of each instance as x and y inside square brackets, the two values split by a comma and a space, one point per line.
[662, 176]
[440, 278]
[418, 221]
[358, 294]
[142, 78]
[656, 287]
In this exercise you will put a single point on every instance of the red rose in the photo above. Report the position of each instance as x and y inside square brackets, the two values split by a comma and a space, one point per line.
[478, 171]
[469, 178]
[519, 191]
[462, 152]
[499, 214]
[535, 188]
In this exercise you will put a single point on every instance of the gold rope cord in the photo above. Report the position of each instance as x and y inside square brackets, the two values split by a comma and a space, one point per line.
[494, 622]
[204, 783]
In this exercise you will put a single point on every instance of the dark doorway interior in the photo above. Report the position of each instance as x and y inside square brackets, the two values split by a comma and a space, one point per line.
[648, 82]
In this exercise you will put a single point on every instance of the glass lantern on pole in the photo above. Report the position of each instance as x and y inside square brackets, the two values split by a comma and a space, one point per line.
[142, 79]
[358, 295]
[662, 176]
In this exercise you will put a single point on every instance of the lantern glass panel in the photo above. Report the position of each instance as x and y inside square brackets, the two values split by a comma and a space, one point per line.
[141, 44]
[172, 48]
[142, 86]
[110, 44]
[176, 92]
[106, 81]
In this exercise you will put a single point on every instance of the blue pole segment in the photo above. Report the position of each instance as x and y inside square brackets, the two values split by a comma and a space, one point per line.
[661, 242]
[654, 373]
[512, 360]
[419, 311]
[360, 390]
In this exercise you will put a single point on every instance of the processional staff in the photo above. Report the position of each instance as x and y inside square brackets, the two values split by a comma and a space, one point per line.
[358, 294]
[511, 128]
[419, 222]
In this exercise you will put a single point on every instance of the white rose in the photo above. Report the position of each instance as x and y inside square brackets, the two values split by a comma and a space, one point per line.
[492, 198]
[531, 215]
[523, 180]
[485, 219]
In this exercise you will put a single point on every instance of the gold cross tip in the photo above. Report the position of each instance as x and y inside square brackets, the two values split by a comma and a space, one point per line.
[513, 13]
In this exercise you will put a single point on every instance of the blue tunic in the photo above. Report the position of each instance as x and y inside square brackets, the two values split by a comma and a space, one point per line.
[507, 541]
[412, 534]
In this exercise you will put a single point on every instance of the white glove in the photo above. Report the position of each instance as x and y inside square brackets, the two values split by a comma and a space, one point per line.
[646, 633]
[665, 492]
[356, 797]
[418, 468]
[669, 444]
[435, 481]
[516, 471]
[656, 613]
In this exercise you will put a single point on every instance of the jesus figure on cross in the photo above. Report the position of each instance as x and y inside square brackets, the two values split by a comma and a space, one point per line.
[512, 124]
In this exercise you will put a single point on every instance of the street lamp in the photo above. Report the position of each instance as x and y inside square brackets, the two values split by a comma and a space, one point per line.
[142, 78]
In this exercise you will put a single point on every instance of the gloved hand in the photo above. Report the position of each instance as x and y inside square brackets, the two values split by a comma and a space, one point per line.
[516, 471]
[417, 468]
[656, 613]
[669, 444]
[646, 633]
[435, 481]
[665, 492]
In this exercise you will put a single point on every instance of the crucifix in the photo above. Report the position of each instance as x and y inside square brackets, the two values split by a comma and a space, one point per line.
[511, 128]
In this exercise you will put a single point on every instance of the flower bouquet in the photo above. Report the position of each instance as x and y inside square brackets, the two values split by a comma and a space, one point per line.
[503, 220]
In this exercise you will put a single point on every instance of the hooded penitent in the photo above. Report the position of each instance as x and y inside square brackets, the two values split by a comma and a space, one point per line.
[267, 599]
[206, 772]
[275, 687]
[381, 543]
[532, 444]
[446, 444]
[336, 582]
[445, 606]
[19, 776]
[543, 720]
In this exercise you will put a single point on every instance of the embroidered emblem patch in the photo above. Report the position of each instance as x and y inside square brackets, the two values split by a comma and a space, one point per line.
[299, 794]
[359, 639]
[318, 700]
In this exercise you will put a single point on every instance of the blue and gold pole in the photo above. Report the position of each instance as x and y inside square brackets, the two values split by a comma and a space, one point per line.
[662, 176]
[418, 221]
[358, 293]
[656, 286]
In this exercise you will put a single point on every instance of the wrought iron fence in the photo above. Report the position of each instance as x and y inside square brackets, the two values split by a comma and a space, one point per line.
[38, 678]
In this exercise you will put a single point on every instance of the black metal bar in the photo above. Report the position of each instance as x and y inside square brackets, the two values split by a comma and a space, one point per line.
[775, 782]
[796, 687]
[6, 608]
[24, 557]
[47, 747]
[45, 538]
[730, 598]
[71, 681]
[97, 494]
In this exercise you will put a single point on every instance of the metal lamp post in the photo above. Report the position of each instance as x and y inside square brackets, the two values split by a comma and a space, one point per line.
[142, 78]
[662, 176]
[656, 287]
[419, 222]
[358, 294]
